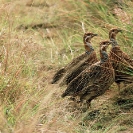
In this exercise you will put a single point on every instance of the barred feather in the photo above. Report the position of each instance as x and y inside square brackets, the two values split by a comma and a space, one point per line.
[93, 81]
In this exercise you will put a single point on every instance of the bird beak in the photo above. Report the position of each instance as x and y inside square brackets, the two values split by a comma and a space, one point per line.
[119, 30]
[110, 42]
[104, 46]
[95, 34]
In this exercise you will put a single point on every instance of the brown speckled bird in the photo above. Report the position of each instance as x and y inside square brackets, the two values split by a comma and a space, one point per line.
[71, 70]
[121, 61]
[85, 62]
[93, 81]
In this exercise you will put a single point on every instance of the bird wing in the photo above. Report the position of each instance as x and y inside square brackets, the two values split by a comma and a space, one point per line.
[88, 76]
[128, 59]
[90, 92]
[82, 80]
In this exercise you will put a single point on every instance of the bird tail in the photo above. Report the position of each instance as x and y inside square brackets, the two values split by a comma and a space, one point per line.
[63, 95]
[70, 90]
[126, 74]
[58, 75]
[129, 71]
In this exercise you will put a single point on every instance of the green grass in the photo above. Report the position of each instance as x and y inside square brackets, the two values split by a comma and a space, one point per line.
[29, 58]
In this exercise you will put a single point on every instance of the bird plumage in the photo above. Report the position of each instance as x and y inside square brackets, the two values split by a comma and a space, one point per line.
[121, 61]
[81, 60]
[61, 72]
[88, 60]
[93, 81]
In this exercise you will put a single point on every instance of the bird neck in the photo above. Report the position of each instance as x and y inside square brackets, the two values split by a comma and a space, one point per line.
[114, 42]
[103, 55]
[88, 47]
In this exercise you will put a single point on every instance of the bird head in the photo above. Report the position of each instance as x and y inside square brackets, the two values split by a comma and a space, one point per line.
[88, 36]
[113, 32]
[104, 45]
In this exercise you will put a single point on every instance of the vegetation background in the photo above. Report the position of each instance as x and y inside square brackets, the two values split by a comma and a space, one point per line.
[37, 37]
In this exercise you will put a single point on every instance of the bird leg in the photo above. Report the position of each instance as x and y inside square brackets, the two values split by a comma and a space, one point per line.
[72, 99]
[80, 103]
[88, 102]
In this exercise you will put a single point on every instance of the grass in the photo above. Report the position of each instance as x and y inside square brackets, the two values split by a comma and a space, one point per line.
[30, 56]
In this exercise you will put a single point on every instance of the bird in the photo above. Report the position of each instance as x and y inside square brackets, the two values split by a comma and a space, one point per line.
[88, 60]
[68, 72]
[121, 61]
[94, 80]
